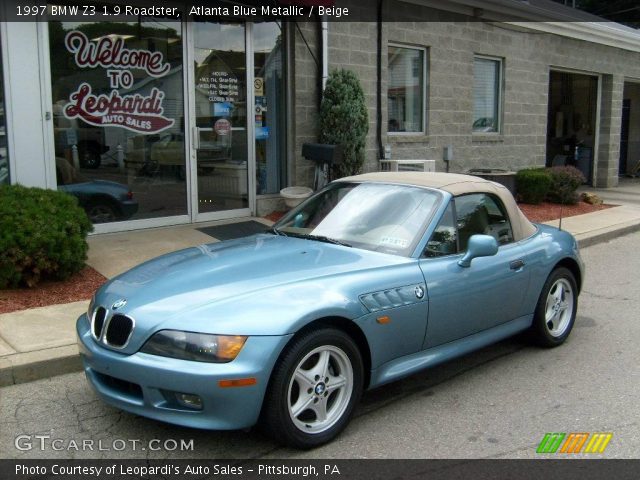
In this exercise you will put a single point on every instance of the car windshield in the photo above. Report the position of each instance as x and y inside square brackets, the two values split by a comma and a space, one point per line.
[373, 216]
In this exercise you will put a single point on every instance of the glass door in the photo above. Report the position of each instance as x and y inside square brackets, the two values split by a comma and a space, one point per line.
[223, 161]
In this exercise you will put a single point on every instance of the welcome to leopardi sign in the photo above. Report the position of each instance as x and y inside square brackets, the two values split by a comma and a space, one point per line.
[136, 112]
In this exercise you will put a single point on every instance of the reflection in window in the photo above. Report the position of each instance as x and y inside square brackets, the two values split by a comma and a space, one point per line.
[269, 107]
[486, 94]
[118, 121]
[405, 93]
[4, 154]
[444, 240]
[221, 116]
[377, 217]
[482, 214]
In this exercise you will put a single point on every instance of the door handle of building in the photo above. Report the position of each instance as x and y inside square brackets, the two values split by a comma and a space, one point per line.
[516, 264]
[195, 137]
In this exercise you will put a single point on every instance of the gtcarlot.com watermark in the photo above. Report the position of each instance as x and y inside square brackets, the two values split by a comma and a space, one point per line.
[46, 442]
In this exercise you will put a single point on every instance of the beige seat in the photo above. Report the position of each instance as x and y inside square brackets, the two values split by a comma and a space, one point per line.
[477, 222]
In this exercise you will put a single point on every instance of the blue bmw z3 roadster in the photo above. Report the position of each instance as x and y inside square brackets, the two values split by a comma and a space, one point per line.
[373, 278]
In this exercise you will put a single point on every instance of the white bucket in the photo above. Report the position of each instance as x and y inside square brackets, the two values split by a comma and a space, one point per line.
[293, 196]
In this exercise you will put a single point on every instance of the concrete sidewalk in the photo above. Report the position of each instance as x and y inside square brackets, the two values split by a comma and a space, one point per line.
[40, 342]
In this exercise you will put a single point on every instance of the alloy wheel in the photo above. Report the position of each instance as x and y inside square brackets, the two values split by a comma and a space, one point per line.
[559, 307]
[320, 389]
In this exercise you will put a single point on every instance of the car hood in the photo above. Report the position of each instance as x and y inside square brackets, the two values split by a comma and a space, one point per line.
[182, 284]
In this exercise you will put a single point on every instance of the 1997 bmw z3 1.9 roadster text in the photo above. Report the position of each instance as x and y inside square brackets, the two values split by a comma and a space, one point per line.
[373, 278]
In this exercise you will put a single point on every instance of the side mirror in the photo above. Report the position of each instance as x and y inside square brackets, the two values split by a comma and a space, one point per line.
[479, 246]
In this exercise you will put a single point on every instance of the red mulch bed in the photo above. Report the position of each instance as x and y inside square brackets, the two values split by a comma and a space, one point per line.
[79, 287]
[275, 216]
[546, 212]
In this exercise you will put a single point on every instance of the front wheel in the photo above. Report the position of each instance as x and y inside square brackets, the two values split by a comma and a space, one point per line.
[556, 309]
[314, 389]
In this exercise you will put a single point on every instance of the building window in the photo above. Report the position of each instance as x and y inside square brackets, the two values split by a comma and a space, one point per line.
[118, 116]
[406, 98]
[4, 155]
[487, 94]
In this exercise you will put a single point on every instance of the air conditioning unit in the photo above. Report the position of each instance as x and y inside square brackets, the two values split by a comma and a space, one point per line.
[407, 165]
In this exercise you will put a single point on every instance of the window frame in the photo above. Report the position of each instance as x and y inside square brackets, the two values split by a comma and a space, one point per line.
[451, 204]
[501, 87]
[454, 211]
[502, 209]
[425, 88]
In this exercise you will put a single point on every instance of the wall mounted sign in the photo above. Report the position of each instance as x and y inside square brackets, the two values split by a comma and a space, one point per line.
[138, 112]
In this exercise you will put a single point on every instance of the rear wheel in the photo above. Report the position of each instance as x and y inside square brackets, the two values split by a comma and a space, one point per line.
[314, 389]
[101, 212]
[556, 309]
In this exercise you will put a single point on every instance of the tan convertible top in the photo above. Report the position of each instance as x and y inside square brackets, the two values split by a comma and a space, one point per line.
[455, 184]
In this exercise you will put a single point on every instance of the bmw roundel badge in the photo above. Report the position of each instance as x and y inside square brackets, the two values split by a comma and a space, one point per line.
[119, 304]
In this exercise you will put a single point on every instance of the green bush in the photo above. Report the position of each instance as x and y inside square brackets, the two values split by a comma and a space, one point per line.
[344, 120]
[564, 183]
[532, 185]
[43, 234]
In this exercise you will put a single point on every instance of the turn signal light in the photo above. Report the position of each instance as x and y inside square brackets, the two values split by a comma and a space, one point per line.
[237, 382]
[229, 346]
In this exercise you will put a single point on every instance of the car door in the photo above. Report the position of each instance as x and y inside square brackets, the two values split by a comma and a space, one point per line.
[464, 301]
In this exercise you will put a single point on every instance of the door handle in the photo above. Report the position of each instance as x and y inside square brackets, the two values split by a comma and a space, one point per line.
[517, 264]
[195, 137]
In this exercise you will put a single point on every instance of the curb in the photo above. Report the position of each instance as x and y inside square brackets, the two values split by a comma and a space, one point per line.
[607, 234]
[30, 366]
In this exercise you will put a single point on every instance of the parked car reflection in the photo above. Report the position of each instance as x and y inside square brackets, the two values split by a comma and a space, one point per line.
[104, 201]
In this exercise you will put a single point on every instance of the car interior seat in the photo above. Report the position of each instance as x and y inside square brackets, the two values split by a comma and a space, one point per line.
[476, 222]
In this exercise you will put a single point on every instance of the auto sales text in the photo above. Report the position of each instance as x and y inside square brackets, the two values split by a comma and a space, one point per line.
[170, 469]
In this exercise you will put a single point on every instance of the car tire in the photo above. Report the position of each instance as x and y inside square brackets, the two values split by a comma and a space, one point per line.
[90, 159]
[102, 213]
[556, 309]
[314, 389]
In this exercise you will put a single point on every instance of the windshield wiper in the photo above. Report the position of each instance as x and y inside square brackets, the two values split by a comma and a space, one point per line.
[275, 231]
[322, 238]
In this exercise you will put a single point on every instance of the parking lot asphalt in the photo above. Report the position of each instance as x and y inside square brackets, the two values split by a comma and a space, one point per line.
[495, 403]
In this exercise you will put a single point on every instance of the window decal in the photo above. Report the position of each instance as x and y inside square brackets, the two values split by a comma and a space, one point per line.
[134, 111]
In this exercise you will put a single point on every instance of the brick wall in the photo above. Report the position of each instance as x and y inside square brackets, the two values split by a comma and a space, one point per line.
[528, 58]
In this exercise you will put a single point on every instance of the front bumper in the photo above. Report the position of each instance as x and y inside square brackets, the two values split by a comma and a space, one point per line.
[147, 384]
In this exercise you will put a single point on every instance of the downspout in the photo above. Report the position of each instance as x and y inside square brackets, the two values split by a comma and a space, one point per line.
[379, 82]
[324, 25]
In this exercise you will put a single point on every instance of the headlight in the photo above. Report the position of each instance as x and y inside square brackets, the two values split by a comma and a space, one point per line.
[199, 347]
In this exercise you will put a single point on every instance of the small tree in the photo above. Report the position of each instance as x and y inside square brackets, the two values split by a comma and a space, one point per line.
[344, 120]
